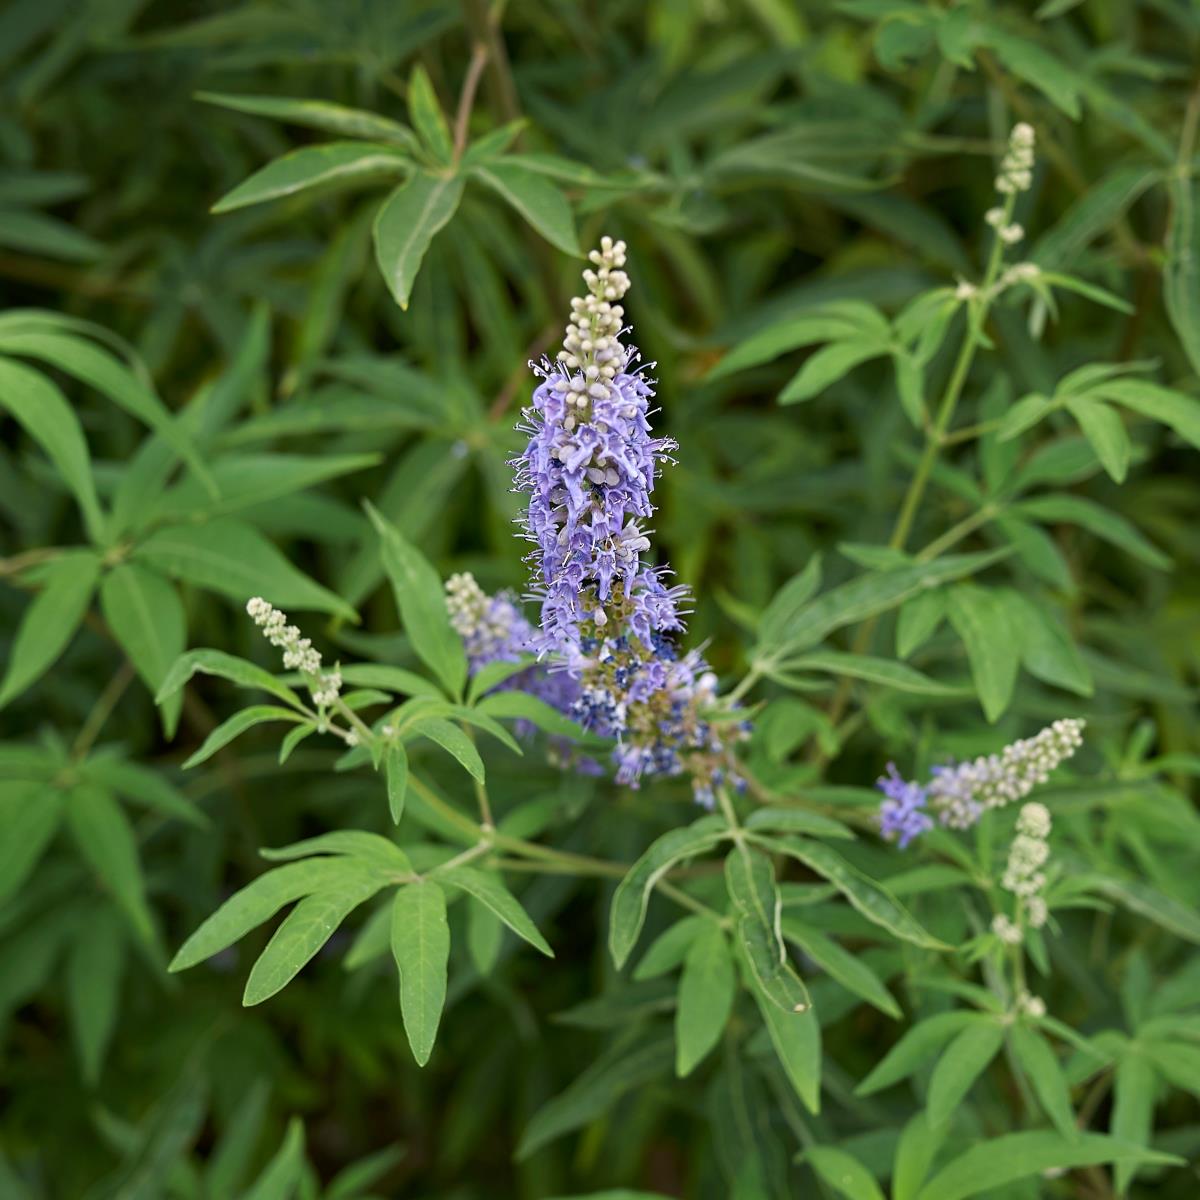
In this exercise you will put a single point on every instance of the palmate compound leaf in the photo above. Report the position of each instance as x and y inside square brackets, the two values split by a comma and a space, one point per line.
[633, 893]
[420, 939]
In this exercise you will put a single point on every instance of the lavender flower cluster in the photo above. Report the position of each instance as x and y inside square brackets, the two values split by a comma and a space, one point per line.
[607, 617]
[493, 629]
[959, 794]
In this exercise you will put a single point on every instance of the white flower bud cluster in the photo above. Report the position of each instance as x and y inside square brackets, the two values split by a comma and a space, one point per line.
[1009, 232]
[962, 793]
[1007, 930]
[1031, 1005]
[592, 349]
[1024, 876]
[485, 623]
[298, 652]
[466, 602]
[1021, 272]
[1016, 169]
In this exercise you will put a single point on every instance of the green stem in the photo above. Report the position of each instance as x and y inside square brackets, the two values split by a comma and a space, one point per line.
[101, 711]
[956, 533]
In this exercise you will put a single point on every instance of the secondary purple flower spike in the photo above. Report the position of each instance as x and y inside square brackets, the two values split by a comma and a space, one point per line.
[607, 616]
[902, 815]
[960, 793]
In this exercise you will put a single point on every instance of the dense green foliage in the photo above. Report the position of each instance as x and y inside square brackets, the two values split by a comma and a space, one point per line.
[272, 273]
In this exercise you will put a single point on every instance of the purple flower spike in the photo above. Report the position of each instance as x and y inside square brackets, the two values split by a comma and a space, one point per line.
[608, 616]
[902, 815]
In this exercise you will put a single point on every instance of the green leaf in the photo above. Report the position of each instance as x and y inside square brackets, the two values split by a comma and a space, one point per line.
[1103, 429]
[918, 1147]
[983, 622]
[848, 969]
[1099, 521]
[395, 765]
[43, 412]
[106, 841]
[235, 726]
[316, 114]
[51, 619]
[224, 666]
[30, 813]
[235, 560]
[633, 893]
[332, 164]
[406, 224]
[1046, 648]
[421, 600]
[669, 949]
[804, 329]
[1025, 414]
[918, 621]
[843, 1172]
[1173, 409]
[1134, 1086]
[488, 889]
[1147, 901]
[524, 707]
[915, 1047]
[795, 820]
[307, 928]
[104, 372]
[596, 1091]
[94, 967]
[538, 202]
[827, 366]
[146, 616]
[257, 902]
[390, 679]
[1041, 1067]
[706, 992]
[282, 1175]
[961, 1063]
[871, 899]
[796, 1039]
[452, 739]
[1181, 273]
[874, 593]
[1029, 61]
[421, 948]
[485, 936]
[1014, 1156]
[371, 849]
[875, 670]
[426, 115]
[789, 601]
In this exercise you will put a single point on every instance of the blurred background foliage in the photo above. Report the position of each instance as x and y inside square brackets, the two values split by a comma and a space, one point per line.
[760, 157]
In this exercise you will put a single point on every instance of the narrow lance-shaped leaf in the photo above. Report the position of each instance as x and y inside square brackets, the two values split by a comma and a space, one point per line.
[421, 948]
[406, 224]
[633, 893]
[706, 992]
[421, 600]
[306, 929]
[51, 619]
[328, 165]
[488, 889]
